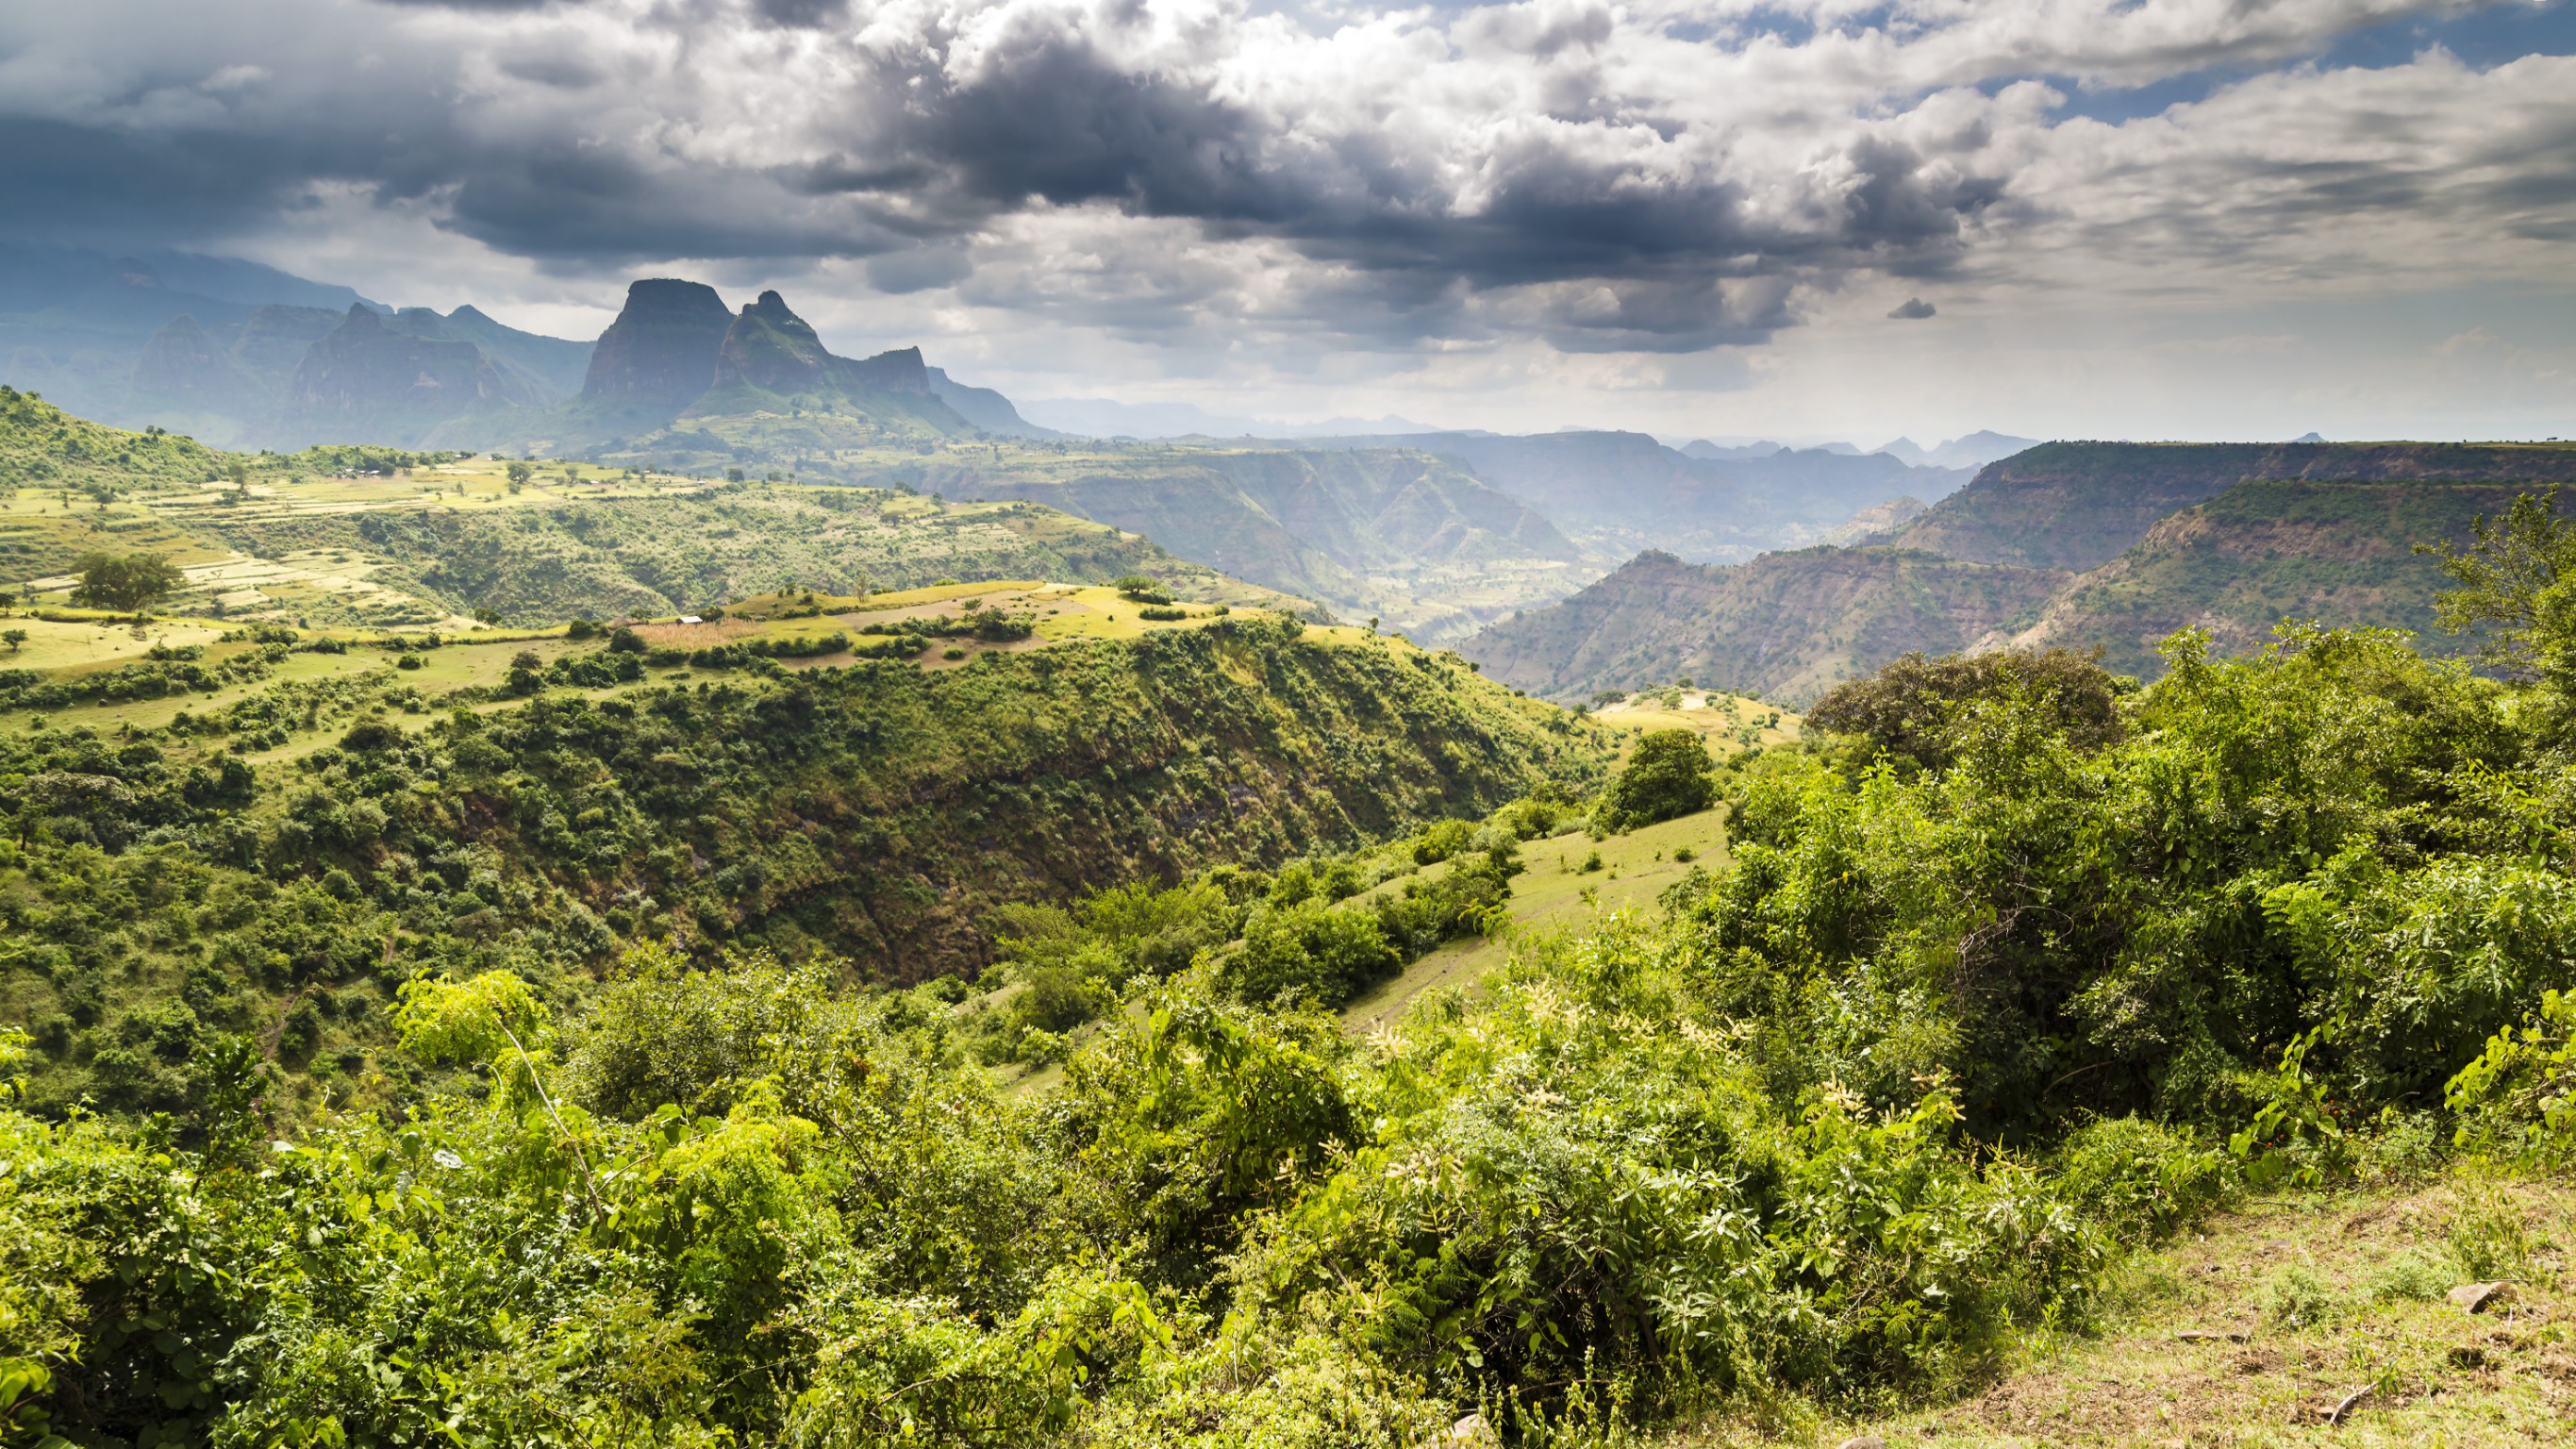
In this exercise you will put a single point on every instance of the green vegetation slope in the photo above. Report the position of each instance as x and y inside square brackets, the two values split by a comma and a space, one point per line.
[268, 838]
[2338, 552]
[1954, 1051]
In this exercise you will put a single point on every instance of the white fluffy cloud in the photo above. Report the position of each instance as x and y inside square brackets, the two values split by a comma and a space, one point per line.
[1199, 189]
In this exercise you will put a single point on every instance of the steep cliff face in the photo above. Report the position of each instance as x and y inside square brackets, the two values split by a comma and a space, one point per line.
[779, 390]
[370, 382]
[898, 371]
[660, 353]
[275, 338]
[1786, 626]
[2340, 553]
[2080, 505]
[771, 348]
[984, 407]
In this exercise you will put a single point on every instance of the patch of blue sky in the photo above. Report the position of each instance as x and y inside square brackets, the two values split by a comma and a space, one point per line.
[2481, 38]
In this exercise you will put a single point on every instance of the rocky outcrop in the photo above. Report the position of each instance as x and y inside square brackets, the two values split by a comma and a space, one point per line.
[661, 351]
[897, 371]
[983, 407]
[772, 349]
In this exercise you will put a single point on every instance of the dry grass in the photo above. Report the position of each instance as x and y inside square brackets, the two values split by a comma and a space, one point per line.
[2426, 1373]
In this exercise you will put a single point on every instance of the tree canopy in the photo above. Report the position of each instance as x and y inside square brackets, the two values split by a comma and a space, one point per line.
[132, 582]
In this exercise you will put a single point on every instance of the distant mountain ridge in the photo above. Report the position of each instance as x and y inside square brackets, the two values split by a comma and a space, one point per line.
[373, 378]
[1785, 626]
[226, 350]
[2113, 545]
[1437, 533]
[1618, 492]
[1972, 451]
[2079, 505]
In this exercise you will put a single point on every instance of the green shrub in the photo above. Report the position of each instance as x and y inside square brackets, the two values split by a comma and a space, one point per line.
[1310, 950]
[2295, 1297]
[2408, 1277]
[2518, 1096]
[1441, 841]
[1913, 706]
[1668, 775]
[2144, 1179]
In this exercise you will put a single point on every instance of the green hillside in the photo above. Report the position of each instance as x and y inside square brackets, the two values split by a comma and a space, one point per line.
[1411, 538]
[2338, 552]
[262, 829]
[685, 550]
[43, 447]
[355, 536]
[2202, 1076]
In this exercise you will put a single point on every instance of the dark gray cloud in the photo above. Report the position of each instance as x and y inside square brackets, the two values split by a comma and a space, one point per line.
[1912, 309]
[803, 14]
[1549, 166]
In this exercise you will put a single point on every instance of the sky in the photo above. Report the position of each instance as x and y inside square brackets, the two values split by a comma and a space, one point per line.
[1731, 219]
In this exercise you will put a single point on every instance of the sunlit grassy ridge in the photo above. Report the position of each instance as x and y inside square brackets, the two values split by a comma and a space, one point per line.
[795, 780]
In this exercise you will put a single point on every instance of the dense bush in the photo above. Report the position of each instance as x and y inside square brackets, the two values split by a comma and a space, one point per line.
[1668, 775]
[1911, 707]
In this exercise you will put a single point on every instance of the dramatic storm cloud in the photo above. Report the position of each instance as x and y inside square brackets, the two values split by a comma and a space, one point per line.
[1654, 204]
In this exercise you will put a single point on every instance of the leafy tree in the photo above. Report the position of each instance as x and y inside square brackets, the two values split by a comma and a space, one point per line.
[519, 473]
[1910, 707]
[131, 582]
[1311, 949]
[14, 638]
[1669, 775]
[2517, 588]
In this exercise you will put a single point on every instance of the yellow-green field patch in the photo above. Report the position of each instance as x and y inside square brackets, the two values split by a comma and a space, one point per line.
[76, 646]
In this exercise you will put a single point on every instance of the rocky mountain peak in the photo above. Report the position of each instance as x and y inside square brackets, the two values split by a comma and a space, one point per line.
[771, 348]
[661, 350]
